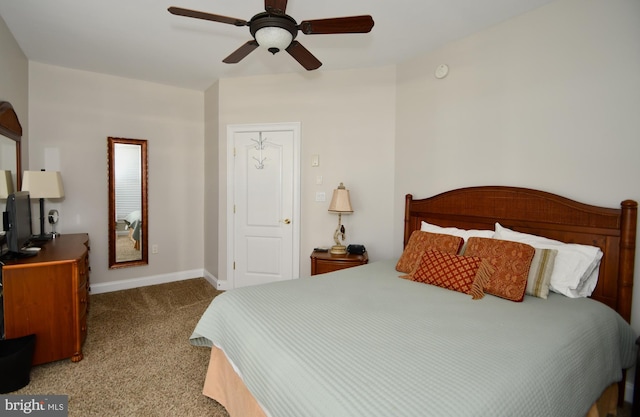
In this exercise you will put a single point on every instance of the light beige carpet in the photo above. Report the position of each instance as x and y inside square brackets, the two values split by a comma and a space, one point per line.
[137, 356]
[125, 250]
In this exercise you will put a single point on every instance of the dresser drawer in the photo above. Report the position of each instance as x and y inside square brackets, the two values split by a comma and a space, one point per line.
[81, 337]
[83, 328]
[83, 271]
[83, 301]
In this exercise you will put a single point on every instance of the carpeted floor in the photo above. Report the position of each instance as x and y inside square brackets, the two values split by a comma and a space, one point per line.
[125, 250]
[137, 356]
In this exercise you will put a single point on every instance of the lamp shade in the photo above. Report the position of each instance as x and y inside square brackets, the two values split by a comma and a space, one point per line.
[340, 202]
[43, 184]
[272, 37]
[6, 184]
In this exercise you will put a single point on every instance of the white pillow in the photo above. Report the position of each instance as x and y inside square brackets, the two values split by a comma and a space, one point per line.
[586, 286]
[465, 234]
[575, 271]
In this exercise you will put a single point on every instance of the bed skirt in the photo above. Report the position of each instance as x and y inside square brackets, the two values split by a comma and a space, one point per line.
[223, 384]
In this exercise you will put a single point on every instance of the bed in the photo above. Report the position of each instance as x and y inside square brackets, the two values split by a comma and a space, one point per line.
[363, 342]
[133, 222]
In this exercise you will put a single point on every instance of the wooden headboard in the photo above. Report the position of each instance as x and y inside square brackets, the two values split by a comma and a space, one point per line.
[543, 214]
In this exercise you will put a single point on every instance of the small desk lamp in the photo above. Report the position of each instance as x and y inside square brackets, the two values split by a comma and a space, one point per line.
[6, 184]
[43, 184]
[340, 203]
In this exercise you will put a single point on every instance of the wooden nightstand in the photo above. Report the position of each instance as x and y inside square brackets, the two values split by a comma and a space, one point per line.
[323, 262]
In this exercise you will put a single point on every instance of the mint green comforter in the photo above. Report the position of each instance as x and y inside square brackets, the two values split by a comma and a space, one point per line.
[363, 343]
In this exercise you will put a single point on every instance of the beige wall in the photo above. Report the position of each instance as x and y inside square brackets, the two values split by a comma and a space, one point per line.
[71, 115]
[347, 118]
[548, 100]
[14, 82]
[211, 183]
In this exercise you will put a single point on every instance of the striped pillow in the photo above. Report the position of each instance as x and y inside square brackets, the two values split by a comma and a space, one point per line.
[540, 271]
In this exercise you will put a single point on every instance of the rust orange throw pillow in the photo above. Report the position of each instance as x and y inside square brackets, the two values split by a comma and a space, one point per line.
[466, 274]
[420, 241]
[511, 261]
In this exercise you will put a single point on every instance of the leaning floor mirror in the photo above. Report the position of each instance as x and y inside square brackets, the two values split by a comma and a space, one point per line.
[128, 213]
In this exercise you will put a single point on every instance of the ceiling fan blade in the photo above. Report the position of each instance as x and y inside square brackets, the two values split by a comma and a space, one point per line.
[207, 16]
[303, 56]
[237, 55]
[351, 24]
[275, 6]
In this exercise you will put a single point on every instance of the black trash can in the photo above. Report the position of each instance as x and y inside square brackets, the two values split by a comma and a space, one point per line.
[15, 362]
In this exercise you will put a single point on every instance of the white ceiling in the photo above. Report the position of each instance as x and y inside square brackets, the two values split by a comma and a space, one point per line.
[140, 39]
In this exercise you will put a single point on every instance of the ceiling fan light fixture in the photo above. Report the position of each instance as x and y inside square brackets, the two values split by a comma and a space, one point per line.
[273, 38]
[275, 30]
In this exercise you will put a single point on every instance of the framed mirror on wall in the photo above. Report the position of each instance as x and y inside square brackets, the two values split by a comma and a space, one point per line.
[10, 140]
[128, 211]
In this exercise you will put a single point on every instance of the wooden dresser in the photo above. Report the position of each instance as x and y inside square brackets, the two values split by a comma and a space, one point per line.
[48, 294]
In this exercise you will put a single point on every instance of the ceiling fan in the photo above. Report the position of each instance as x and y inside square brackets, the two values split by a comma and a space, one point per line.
[275, 30]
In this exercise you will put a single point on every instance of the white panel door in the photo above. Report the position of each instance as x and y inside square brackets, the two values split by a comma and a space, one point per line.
[264, 205]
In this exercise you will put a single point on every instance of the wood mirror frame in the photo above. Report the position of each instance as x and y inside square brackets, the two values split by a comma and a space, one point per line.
[141, 243]
[10, 127]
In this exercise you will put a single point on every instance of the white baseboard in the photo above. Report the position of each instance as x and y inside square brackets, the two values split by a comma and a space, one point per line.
[219, 284]
[127, 284]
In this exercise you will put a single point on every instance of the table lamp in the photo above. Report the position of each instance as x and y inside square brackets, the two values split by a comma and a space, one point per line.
[43, 184]
[340, 203]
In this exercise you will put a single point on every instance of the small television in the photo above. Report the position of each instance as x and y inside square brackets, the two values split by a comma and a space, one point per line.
[17, 221]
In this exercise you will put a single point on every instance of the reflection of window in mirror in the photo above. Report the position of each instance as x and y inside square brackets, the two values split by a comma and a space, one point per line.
[127, 202]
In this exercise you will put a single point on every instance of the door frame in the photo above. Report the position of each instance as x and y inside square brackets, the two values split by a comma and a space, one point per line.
[232, 129]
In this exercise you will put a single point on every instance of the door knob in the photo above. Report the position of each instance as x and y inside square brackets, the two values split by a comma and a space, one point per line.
[286, 221]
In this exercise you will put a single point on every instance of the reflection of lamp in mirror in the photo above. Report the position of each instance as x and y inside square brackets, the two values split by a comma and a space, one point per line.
[340, 203]
[6, 184]
[43, 184]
